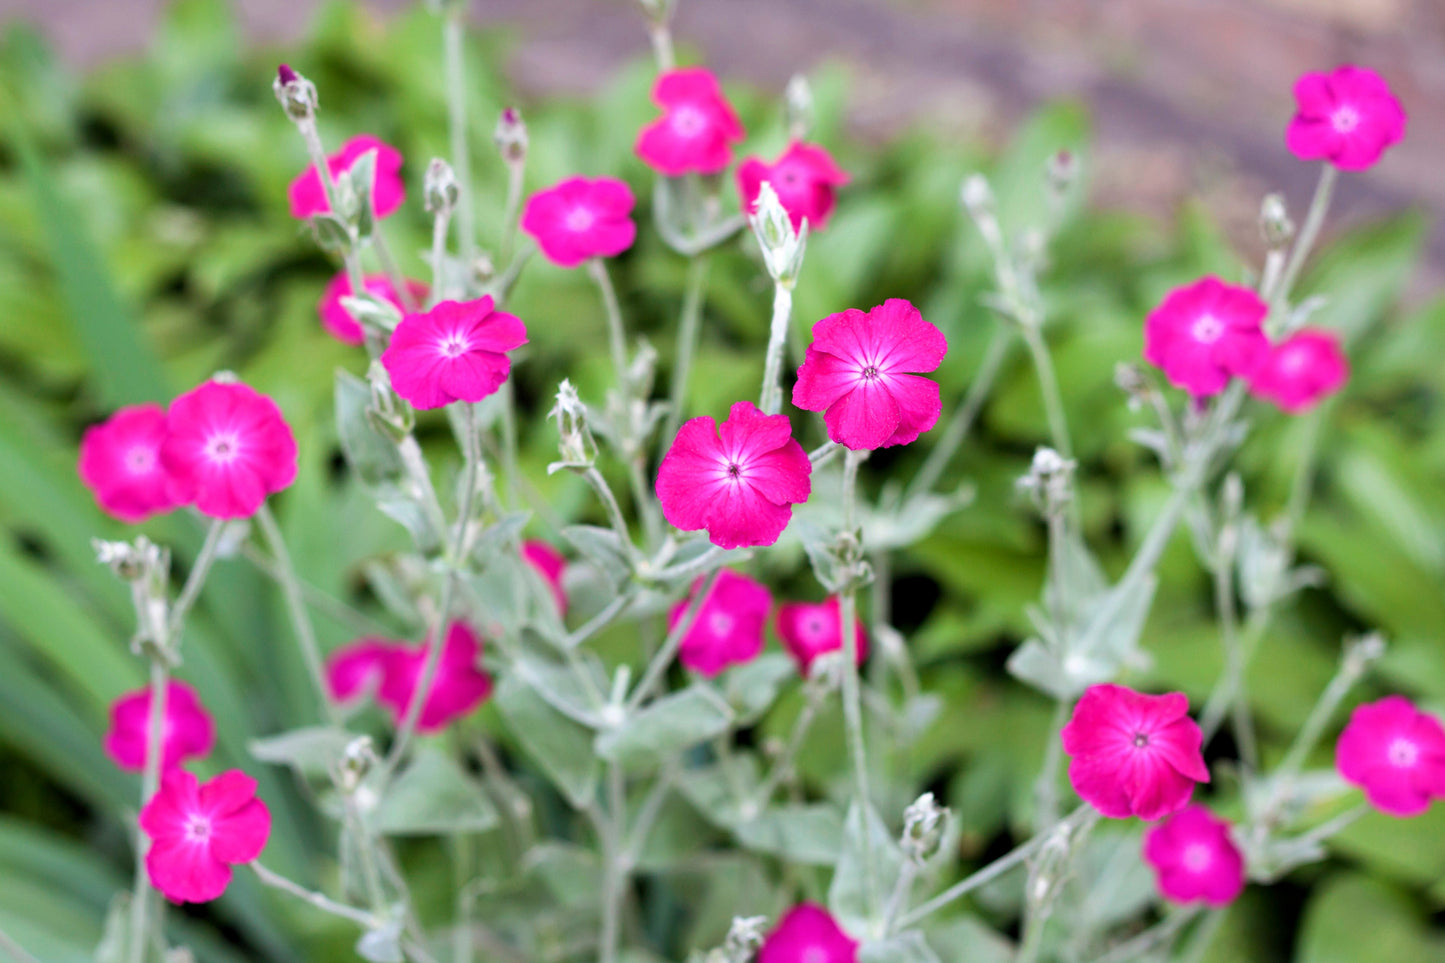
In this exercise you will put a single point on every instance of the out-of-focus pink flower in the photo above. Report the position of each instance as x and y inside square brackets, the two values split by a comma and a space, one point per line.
[807, 934]
[580, 219]
[551, 563]
[120, 462]
[697, 128]
[198, 832]
[728, 629]
[1347, 117]
[1194, 858]
[227, 447]
[357, 669]
[457, 351]
[1205, 333]
[739, 481]
[862, 371]
[336, 319]
[1302, 370]
[806, 181]
[809, 630]
[308, 194]
[1133, 754]
[459, 686]
[1396, 754]
[188, 732]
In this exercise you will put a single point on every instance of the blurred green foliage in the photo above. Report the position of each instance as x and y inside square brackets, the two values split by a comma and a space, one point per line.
[145, 243]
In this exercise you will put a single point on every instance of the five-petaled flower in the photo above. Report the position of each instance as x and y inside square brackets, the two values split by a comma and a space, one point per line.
[388, 191]
[340, 322]
[227, 447]
[1396, 754]
[457, 351]
[187, 732]
[355, 670]
[120, 462]
[1194, 858]
[808, 934]
[1300, 371]
[806, 181]
[459, 685]
[739, 480]
[862, 371]
[1205, 333]
[728, 627]
[697, 128]
[1133, 754]
[808, 630]
[1347, 117]
[580, 219]
[198, 832]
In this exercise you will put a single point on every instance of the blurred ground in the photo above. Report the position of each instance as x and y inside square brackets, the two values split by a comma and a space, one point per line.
[1190, 96]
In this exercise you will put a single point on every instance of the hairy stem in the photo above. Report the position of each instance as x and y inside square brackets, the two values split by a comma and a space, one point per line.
[452, 43]
[658, 666]
[688, 328]
[150, 782]
[958, 428]
[616, 338]
[325, 904]
[1049, 386]
[852, 690]
[296, 609]
[771, 401]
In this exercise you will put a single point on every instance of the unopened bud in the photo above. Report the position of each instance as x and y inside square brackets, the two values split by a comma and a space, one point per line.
[439, 187]
[296, 94]
[782, 247]
[133, 561]
[483, 269]
[1050, 481]
[1363, 652]
[1275, 225]
[577, 447]
[1063, 171]
[799, 104]
[357, 760]
[745, 938]
[511, 136]
[1129, 378]
[923, 824]
[977, 196]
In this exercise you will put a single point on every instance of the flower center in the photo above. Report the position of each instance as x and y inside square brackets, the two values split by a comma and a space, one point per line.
[735, 470]
[1403, 753]
[814, 954]
[1197, 857]
[580, 219]
[720, 623]
[454, 345]
[198, 829]
[1207, 329]
[223, 448]
[688, 121]
[814, 627]
[870, 373]
[1294, 362]
[1345, 119]
[140, 461]
[1141, 740]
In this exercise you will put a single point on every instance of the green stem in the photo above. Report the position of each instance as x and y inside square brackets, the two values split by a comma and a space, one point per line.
[614, 870]
[440, 227]
[452, 43]
[616, 338]
[1314, 220]
[1049, 386]
[516, 171]
[392, 270]
[771, 401]
[1224, 604]
[296, 609]
[358, 621]
[957, 431]
[323, 903]
[1222, 697]
[14, 950]
[1314, 725]
[658, 666]
[1155, 936]
[615, 518]
[150, 782]
[688, 329]
[852, 694]
[1046, 789]
[194, 582]
[763, 795]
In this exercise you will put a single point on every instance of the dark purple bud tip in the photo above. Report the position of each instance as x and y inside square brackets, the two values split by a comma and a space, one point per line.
[286, 74]
[510, 115]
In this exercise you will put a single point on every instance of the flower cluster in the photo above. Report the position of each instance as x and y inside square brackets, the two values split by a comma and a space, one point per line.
[391, 672]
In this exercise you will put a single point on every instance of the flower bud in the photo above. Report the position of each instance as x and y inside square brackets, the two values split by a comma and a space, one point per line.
[1049, 482]
[923, 824]
[1362, 652]
[357, 760]
[977, 197]
[1275, 225]
[296, 94]
[782, 247]
[577, 447]
[798, 99]
[439, 187]
[1129, 378]
[141, 560]
[1063, 171]
[510, 136]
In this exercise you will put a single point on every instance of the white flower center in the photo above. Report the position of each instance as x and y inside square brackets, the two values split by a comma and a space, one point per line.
[223, 447]
[720, 623]
[688, 121]
[580, 219]
[140, 460]
[1141, 740]
[1206, 329]
[1345, 119]
[814, 954]
[198, 829]
[1294, 362]
[1197, 857]
[813, 627]
[454, 345]
[1403, 753]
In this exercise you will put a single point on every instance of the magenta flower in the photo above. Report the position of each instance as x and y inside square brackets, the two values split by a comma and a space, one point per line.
[580, 219]
[1396, 754]
[188, 732]
[120, 462]
[862, 371]
[336, 319]
[807, 934]
[1133, 754]
[1205, 333]
[459, 686]
[1347, 117]
[697, 128]
[728, 629]
[227, 448]
[1194, 858]
[809, 630]
[356, 669]
[805, 179]
[198, 832]
[1301, 371]
[739, 481]
[551, 563]
[308, 194]
[457, 351]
